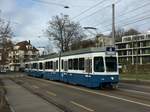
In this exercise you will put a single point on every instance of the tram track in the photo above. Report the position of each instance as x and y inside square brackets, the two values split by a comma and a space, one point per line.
[43, 85]
[120, 91]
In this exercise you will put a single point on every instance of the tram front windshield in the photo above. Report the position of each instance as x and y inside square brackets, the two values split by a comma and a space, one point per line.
[111, 64]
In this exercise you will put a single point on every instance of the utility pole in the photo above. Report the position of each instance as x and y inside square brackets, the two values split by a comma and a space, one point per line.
[136, 58]
[113, 24]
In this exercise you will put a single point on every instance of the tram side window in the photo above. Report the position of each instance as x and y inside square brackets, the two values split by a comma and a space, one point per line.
[50, 63]
[26, 66]
[54, 66]
[75, 64]
[81, 63]
[70, 64]
[111, 64]
[57, 64]
[98, 64]
[41, 66]
[46, 65]
[34, 66]
[62, 64]
[65, 65]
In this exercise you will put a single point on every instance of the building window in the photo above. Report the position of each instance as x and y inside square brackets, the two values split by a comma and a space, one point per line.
[146, 60]
[81, 63]
[98, 64]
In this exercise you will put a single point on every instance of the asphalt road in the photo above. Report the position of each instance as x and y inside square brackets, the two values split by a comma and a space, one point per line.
[70, 98]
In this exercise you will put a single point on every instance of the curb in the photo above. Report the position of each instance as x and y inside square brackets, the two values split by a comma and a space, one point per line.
[138, 82]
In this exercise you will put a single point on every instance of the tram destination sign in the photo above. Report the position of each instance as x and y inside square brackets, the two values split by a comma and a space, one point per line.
[110, 51]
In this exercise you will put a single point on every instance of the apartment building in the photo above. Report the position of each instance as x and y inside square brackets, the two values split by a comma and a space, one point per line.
[22, 52]
[134, 49]
[0, 56]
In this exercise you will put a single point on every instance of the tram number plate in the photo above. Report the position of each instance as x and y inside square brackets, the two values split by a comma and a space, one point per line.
[110, 51]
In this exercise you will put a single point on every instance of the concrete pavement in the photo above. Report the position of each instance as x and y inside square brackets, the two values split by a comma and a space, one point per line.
[80, 99]
[21, 100]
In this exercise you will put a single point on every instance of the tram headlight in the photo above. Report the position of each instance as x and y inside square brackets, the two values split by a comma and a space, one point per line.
[112, 78]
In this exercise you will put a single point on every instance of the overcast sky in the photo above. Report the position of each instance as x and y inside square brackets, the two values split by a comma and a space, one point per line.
[29, 17]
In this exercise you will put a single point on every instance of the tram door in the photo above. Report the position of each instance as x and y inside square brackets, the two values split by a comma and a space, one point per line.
[88, 69]
[65, 67]
[88, 66]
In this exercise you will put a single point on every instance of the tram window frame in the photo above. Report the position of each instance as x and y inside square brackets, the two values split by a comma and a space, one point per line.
[40, 65]
[75, 63]
[81, 63]
[70, 64]
[99, 66]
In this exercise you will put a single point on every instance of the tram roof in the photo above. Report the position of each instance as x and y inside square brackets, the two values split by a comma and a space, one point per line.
[74, 52]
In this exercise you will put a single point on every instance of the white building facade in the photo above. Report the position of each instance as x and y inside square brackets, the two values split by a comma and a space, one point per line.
[22, 52]
[134, 49]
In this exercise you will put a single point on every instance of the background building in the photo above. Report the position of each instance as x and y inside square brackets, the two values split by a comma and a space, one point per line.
[134, 49]
[21, 52]
[103, 40]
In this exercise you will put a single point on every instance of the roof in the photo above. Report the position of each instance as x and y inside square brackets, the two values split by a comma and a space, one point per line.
[34, 49]
[75, 52]
[23, 43]
[22, 46]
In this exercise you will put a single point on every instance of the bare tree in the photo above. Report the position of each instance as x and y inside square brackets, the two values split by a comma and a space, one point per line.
[5, 39]
[120, 32]
[131, 32]
[64, 31]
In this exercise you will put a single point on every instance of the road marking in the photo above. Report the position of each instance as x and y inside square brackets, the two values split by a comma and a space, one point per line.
[50, 93]
[34, 86]
[135, 91]
[93, 92]
[84, 107]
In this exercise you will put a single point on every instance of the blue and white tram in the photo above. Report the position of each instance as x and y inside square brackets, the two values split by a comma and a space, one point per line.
[93, 67]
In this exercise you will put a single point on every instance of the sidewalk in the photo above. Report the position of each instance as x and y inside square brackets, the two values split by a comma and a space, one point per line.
[22, 100]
